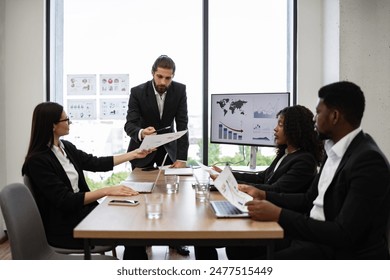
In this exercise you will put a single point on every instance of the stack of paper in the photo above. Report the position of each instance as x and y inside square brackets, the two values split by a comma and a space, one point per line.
[179, 171]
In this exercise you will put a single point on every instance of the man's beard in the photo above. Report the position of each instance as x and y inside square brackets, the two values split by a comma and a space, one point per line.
[160, 89]
[322, 136]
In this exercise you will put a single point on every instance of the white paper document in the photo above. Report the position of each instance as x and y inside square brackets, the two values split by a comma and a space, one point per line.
[228, 187]
[157, 140]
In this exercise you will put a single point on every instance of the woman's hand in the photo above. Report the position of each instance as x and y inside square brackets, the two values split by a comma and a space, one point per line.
[138, 153]
[216, 168]
[120, 190]
[118, 159]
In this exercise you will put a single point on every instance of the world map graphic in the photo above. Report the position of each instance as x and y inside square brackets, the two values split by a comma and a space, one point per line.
[232, 106]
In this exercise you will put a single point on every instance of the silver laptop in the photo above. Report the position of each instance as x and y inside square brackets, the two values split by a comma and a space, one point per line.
[224, 209]
[144, 187]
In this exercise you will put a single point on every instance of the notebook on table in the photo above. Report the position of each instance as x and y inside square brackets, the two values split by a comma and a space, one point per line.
[224, 209]
[187, 171]
[144, 187]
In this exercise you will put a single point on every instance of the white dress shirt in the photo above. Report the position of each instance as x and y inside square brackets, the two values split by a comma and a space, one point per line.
[335, 153]
[160, 98]
[67, 165]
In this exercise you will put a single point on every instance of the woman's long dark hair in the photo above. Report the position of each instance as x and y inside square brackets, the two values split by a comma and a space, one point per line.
[299, 130]
[44, 116]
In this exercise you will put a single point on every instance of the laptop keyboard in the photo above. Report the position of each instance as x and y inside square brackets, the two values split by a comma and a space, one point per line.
[225, 206]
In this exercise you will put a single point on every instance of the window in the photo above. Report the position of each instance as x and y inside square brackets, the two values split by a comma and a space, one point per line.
[98, 44]
[249, 51]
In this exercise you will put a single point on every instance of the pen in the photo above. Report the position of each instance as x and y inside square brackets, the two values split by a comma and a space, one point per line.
[162, 129]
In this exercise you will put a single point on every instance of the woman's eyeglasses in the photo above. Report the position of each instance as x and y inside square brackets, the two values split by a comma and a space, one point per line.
[65, 120]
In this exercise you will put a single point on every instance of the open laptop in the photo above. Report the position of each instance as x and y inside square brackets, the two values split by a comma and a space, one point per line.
[224, 209]
[145, 187]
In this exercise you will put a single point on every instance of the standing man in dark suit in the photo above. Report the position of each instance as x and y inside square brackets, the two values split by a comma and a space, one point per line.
[344, 213]
[155, 107]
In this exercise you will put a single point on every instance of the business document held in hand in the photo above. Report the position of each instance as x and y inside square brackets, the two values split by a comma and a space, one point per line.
[227, 185]
[157, 140]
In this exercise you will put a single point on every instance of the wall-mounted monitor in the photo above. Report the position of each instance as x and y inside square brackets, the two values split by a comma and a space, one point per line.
[246, 118]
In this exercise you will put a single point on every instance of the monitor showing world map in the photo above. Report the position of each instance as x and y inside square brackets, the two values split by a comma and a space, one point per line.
[246, 118]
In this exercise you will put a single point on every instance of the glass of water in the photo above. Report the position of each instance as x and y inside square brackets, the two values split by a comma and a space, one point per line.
[202, 191]
[153, 205]
[172, 183]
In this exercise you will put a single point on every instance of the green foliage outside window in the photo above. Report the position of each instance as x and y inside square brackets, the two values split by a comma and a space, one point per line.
[241, 158]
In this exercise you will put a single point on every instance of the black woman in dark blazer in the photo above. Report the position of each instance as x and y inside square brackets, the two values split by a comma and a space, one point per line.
[55, 168]
[299, 152]
[344, 214]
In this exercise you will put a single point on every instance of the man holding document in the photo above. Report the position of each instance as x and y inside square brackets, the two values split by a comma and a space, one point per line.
[153, 108]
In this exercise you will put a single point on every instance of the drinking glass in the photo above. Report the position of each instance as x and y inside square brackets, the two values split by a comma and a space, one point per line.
[172, 183]
[153, 205]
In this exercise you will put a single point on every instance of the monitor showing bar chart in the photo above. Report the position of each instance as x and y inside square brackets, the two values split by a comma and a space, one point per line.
[245, 118]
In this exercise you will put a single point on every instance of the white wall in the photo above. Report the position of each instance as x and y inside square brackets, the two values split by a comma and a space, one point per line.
[347, 40]
[24, 77]
[2, 104]
[2, 92]
[309, 52]
[365, 59]
[21, 80]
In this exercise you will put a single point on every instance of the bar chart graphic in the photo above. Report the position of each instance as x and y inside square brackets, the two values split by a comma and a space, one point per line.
[226, 132]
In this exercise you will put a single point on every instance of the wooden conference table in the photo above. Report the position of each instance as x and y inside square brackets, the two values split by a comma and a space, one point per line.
[185, 221]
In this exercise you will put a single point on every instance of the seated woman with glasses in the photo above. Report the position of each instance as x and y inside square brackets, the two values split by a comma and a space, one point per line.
[298, 155]
[55, 169]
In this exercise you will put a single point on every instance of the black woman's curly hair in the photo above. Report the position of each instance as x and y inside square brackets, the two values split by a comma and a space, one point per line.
[299, 130]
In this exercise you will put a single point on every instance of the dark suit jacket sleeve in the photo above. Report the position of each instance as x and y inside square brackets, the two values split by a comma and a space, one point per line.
[89, 162]
[294, 174]
[51, 184]
[49, 177]
[356, 204]
[250, 178]
[133, 117]
[181, 119]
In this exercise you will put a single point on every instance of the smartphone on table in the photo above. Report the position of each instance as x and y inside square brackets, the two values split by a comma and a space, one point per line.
[124, 202]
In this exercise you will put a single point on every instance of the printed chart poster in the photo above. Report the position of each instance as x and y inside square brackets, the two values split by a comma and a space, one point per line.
[82, 109]
[81, 84]
[114, 84]
[113, 109]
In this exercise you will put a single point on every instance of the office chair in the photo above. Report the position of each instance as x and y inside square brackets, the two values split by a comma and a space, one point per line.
[95, 250]
[25, 228]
